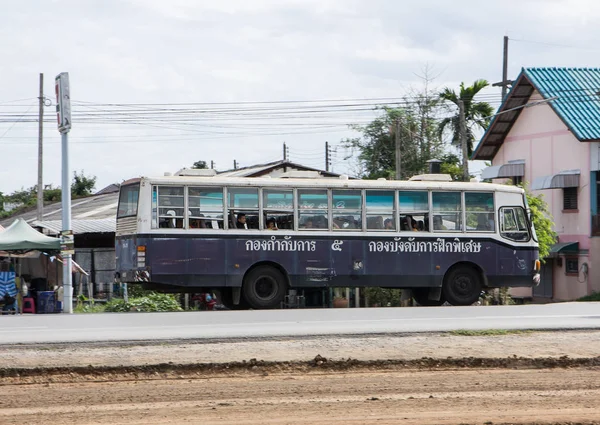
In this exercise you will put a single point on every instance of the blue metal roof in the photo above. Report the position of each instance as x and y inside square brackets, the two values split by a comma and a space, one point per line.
[575, 100]
[578, 101]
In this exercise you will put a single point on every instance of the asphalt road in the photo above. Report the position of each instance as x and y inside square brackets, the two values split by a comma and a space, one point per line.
[107, 327]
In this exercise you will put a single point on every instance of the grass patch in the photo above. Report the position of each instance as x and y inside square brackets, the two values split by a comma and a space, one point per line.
[594, 296]
[488, 332]
[89, 308]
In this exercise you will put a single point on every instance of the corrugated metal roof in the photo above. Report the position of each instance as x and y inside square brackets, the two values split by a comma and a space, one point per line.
[578, 101]
[566, 178]
[92, 208]
[514, 168]
[107, 225]
[263, 169]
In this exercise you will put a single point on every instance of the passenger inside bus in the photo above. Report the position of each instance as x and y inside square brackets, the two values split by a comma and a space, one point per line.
[271, 224]
[438, 223]
[241, 221]
[170, 223]
[485, 222]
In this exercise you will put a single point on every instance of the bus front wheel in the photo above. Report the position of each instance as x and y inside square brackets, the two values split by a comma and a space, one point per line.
[264, 287]
[462, 286]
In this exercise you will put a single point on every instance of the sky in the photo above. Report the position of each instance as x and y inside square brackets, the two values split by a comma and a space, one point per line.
[158, 85]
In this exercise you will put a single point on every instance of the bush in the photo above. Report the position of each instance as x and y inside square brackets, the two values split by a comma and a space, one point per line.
[152, 302]
[594, 296]
[383, 296]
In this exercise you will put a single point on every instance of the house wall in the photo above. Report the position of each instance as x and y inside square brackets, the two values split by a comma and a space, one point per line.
[541, 138]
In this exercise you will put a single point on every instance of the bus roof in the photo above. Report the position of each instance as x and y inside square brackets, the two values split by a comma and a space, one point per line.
[330, 182]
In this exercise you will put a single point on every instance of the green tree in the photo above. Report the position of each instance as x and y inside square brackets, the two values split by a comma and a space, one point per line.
[477, 114]
[543, 223]
[377, 145]
[82, 185]
[200, 165]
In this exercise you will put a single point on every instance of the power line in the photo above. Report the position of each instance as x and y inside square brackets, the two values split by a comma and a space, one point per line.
[567, 46]
[15, 123]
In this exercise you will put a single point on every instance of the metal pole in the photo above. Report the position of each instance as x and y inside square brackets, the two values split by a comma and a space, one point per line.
[40, 182]
[284, 152]
[398, 151]
[505, 68]
[326, 156]
[463, 140]
[66, 223]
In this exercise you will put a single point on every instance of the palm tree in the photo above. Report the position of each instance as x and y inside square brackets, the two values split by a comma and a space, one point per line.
[477, 114]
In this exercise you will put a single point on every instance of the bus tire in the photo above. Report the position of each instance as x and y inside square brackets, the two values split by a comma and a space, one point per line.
[421, 296]
[264, 287]
[462, 286]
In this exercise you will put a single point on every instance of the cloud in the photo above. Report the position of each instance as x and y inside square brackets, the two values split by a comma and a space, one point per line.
[150, 51]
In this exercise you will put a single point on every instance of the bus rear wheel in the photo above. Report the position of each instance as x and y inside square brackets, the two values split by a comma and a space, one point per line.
[264, 287]
[462, 286]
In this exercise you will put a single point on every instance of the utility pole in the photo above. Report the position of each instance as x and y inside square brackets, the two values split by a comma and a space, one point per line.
[40, 182]
[327, 158]
[505, 81]
[63, 110]
[398, 150]
[234, 164]
[505, 68]
[212, 164]
[284, 152]
[463, 139]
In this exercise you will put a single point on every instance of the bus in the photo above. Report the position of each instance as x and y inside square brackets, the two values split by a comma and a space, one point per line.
[254, 239]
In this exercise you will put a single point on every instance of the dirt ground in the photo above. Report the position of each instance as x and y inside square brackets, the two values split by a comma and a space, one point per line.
[524, 378]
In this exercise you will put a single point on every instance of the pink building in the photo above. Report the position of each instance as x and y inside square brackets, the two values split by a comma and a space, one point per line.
[547, 134]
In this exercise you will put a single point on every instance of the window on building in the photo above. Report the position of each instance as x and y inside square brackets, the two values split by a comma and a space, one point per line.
[572, 265]
[517, 180]
[570, 198]
[380, 210]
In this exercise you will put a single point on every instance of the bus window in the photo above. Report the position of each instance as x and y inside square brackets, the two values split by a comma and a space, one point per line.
[278, 205]
[479, 208]
[128, 201]
[242, 208]
[205, 208]
[380, 210]
[347, 209]
[414, 210]
[447, 212]
[312, 209]
[170, 206]
[513, 224]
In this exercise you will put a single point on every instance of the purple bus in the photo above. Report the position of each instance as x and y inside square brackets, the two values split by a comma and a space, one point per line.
[255, 239]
